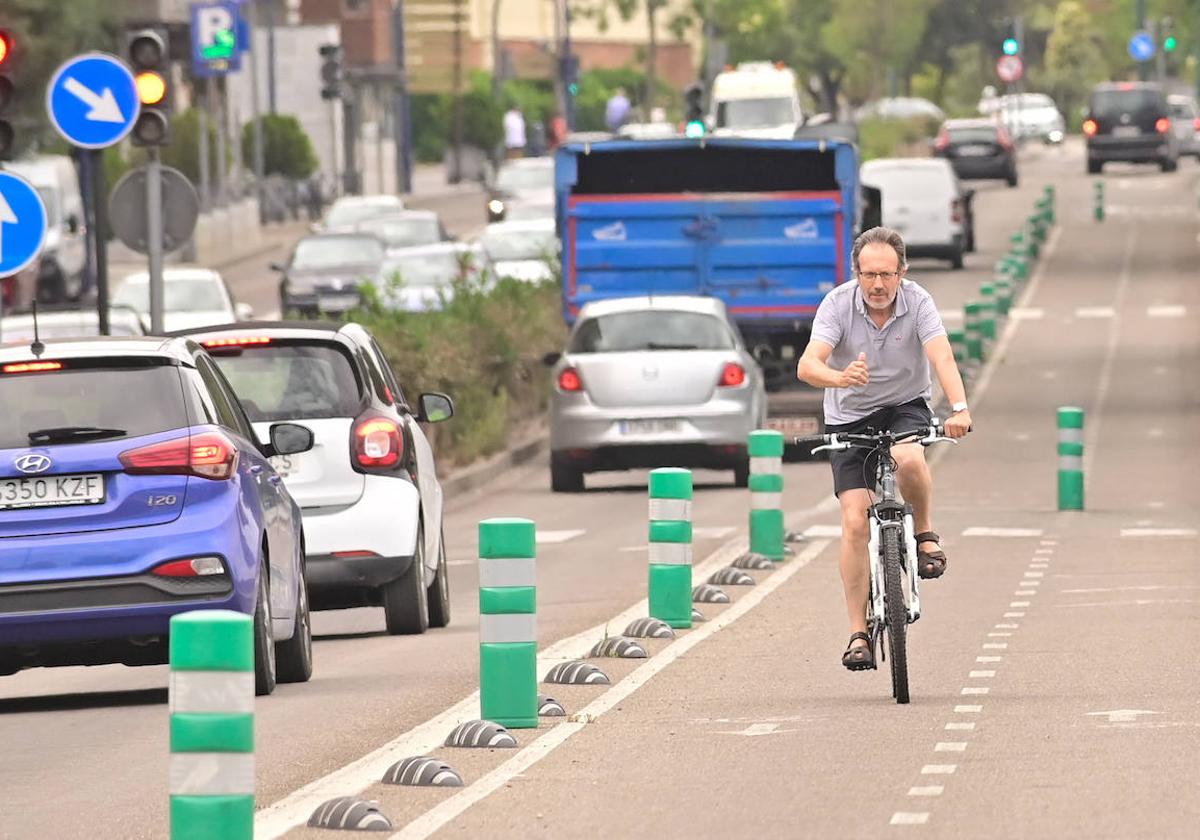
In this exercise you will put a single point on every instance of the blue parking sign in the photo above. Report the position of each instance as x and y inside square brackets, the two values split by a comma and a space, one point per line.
[217, 34]
[22, 223]
[92, 100]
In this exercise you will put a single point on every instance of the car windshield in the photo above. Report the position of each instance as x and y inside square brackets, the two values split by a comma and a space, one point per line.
[180, 294]
[973, 135]
[652, 329]
[346, 215]
[439, 269]
[405, 233]
[331, 251]
[525, 178]
[519, 244]
[1127, 101]
[755, 113]
[127, 399]
[293, 381]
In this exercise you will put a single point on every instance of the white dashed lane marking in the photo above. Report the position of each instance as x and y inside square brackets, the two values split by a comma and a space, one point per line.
[981, 675]
[1002, 532]
[950, 746]
[974, 689]
[968, 710]
[1159, 532]
[960, 725]
[1094, 312]
[555, 537]
[909, 818]
[1166, 311]
[927, 790]
[938, 769]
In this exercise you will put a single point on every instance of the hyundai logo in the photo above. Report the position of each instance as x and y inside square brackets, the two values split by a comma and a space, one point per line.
[33, 464]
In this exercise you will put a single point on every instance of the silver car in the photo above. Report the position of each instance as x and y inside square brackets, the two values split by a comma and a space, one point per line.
[1185, 122]
[653, 382]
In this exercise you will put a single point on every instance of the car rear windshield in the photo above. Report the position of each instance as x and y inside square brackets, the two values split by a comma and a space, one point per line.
[658, 329]
[292, 380]
[319, 252]
[983, 134]
[1130, 101]
[103, 399]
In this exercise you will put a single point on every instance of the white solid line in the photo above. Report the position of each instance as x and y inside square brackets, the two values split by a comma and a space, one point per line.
[713, 533]
[441, 814]
[972, 689]
[1019, 603]
[1027, 314]
[1095, 312]
[960, 726]
[981, 675]
[968, 709]
[989, 658]
[927, 790]
[909, 818]
[1014, 615]
[1002, 532]
[555, 537]
[950, 746]
[1167, 311]
[293, 810]
[1158, 532]
[938, 769]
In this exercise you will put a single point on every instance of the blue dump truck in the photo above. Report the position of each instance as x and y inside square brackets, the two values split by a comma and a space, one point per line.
[765, 225]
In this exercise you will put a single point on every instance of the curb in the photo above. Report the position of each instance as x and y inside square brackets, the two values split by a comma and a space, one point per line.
[479, 474]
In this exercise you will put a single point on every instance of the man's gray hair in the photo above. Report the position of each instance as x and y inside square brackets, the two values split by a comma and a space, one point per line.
[878, 236]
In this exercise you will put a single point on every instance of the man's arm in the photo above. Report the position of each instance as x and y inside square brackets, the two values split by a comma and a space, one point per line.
[941, 356]
[813, 368]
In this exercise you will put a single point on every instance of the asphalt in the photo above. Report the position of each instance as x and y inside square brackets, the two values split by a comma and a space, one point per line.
[86, 749]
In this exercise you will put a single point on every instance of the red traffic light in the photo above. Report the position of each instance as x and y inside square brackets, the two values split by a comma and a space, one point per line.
[6, 46]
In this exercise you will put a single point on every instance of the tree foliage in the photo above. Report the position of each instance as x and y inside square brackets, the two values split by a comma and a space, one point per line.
[1073, 57]
[287, 151]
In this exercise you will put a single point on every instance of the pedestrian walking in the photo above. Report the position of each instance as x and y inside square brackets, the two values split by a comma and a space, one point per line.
[617, 110]
[514, 133]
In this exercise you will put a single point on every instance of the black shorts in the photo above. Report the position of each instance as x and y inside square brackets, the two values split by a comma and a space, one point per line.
[856, 467]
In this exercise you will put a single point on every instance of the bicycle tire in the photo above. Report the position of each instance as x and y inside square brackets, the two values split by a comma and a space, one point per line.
[895, 613]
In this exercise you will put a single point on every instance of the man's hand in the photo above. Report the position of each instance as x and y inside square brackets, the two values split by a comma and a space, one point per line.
[856, 373]
[957, 425]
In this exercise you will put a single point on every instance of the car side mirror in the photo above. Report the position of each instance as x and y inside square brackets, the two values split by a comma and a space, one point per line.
[277, 266]
[551, 359]
[435, 408]
[243, 311]
[290, 439]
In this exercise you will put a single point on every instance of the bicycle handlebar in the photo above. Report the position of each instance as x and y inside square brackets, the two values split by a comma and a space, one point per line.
[836, 442]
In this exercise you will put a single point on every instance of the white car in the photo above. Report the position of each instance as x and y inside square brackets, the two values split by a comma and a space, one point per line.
[349, 211]
[192, 297]
[69, 323]
[419, 279]
[64, 253]
[1028, 115]
[525, 250]
[924, 201]
[368, 490]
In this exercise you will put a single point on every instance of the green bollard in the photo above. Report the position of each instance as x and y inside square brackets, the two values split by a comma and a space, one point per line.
[508, 622]
[971, 317]
[1020, 265]
[1098, 199]
[958, 341]
[670, 593]
[1004, 294]
[211, 698]
[1070, 458]
[1032, 240]
[766, 494]
[987, 311]
[1051, 203]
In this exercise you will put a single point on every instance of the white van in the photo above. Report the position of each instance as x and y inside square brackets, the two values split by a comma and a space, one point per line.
[924, 201]
[758, 99]
[65, 253]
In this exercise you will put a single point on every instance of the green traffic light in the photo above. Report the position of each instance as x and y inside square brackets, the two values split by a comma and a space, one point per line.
[695, 128]
[1170, 43]
[573, 89]
[1011, 46]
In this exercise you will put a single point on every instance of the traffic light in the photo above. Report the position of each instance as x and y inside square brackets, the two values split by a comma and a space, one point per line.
[8, 92]
[1011, 46]
[331, 71]
[693, 110]
[147, 53]
[1169, 42]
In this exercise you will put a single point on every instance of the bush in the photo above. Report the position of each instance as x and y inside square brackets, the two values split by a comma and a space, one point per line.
[484, 349]
[183, 152]
[881, 138]
[287, 151]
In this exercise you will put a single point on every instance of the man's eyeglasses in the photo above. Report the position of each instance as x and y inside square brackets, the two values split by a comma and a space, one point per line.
[872, 276]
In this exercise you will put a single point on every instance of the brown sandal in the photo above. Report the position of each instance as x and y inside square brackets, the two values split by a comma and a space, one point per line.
[859, 658]
[930, 564]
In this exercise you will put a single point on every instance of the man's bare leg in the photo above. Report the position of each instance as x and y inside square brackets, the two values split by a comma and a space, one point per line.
[853, 558]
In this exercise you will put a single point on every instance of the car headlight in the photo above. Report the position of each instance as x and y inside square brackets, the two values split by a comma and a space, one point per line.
[496, 206]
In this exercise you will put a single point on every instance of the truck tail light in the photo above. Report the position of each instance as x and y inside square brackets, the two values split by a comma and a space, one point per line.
[378, 442]
[1196, 124]
[569, 380]
[208, 455]
[1090, 128]
[733, 375]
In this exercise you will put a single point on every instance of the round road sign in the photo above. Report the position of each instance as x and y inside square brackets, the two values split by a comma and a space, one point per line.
[1010, 68]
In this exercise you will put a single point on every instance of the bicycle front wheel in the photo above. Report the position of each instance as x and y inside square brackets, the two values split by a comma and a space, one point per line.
[895, 613]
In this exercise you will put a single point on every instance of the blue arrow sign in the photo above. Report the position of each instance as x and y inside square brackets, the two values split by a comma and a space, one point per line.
[22, 223]
[92, 100]
[216, 38]
[1141, 46]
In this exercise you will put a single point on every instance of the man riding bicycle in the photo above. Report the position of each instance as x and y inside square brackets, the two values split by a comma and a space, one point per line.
[872, 346]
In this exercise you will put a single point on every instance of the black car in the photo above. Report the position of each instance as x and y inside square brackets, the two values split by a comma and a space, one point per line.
[325, 272]
[1129, 121]
[978, 149]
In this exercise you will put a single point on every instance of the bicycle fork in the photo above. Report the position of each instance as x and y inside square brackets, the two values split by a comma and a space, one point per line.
[875, 557]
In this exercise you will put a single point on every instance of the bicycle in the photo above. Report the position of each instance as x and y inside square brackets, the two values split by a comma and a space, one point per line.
[891, 604]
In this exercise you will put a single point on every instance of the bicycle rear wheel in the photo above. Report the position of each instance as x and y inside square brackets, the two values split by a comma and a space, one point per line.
[895, 613]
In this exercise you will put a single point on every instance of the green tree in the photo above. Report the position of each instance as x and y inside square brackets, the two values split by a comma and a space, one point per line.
[880, 37]
[1073, 56]
[183, 152]
[287, 151]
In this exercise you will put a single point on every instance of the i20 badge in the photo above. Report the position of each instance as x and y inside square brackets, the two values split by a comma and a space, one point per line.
[32, 464]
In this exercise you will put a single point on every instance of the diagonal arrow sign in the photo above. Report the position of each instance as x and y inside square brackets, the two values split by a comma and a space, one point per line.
[1122, 715]
[104, 107]
[7, 217]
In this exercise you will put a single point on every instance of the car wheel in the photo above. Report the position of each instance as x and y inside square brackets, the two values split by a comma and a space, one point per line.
[564, 479]
[264, 640]
[1169, 165]
[1012, 179]
[294, 657]
[1094, 167]
[439, 591]
[405, 600]
[956, 260]
[741, 474]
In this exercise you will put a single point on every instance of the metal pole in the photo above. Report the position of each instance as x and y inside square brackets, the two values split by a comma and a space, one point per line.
[100, 232]
[154, 237]
[205, 176]
[1160, 55]
[1139, 23]
[252, 8]
[87, 189]
[570, 65]
[458, 93]
[269, 5]
[222, 143]
[400, 108]
[350, 115]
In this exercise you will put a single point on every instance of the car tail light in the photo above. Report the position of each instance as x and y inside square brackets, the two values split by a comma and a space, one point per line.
[195, 567]
[237, 342]
[569, 380]
[378, 442]
[1196, 124]
[1090, 128]
[1162, 125]
[956, 215]
[943, 141]
[733, 375]
[206, 455]
[32, 367]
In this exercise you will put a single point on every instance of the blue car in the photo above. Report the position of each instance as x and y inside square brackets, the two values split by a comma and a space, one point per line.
[133, 488]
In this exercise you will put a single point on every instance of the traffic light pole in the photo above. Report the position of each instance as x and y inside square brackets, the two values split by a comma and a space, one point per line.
[1139, 24]
[154, 237]
[99, 233]
[205, 177]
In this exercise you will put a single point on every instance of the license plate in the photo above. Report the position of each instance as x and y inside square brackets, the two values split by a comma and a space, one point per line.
[51, 491]
[974, 151]
[648, 427]
[1126, 131]
[795, 426]
[337, 303]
